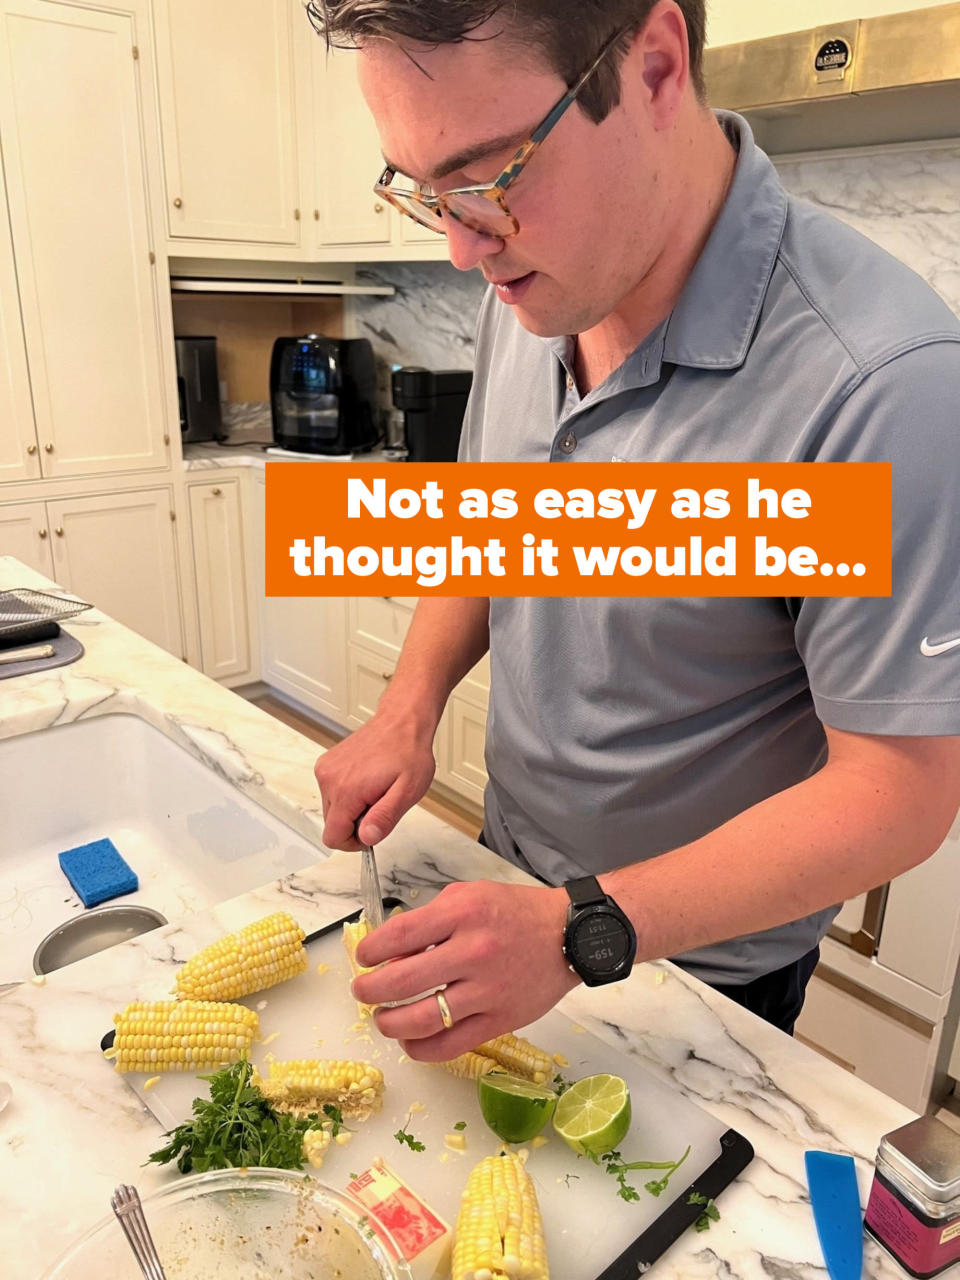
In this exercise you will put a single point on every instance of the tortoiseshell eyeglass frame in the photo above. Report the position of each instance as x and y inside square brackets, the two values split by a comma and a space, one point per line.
[493, 191]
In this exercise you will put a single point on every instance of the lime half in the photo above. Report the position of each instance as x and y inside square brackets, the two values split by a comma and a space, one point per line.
[593, 1116]
[515, 1109]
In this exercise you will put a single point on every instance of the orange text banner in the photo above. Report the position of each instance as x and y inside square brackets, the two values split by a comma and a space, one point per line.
[589, 529]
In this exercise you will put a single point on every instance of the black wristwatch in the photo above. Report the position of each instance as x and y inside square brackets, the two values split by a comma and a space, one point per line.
[599, 941]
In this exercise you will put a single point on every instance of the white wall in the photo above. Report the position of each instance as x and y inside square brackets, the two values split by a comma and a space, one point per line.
[730, 21]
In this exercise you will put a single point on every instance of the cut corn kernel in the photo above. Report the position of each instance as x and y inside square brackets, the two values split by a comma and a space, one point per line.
[560, 1061]
[256, 957]
[499, 1232]
[455, 1141]
[304, 1086]
[182, 1035]
[314, 1147]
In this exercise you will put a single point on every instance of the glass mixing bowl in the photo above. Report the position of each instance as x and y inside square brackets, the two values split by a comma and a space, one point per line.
[243, 1224]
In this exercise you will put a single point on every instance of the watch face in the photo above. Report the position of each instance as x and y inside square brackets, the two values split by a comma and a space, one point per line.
[599, 941]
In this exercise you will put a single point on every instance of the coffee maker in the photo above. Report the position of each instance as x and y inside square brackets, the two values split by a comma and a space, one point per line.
[432, 405]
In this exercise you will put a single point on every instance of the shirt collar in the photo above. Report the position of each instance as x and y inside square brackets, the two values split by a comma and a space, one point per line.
[715, 317]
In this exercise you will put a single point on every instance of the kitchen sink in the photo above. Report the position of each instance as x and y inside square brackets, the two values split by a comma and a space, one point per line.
[192, 838]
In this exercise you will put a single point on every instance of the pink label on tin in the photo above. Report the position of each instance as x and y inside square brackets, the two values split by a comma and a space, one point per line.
[923, 1249]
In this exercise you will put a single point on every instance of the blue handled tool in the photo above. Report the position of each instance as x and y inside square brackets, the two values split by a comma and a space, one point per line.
[835, 1199]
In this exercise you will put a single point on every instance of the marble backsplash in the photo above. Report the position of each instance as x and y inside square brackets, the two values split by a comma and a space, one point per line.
[907, 199]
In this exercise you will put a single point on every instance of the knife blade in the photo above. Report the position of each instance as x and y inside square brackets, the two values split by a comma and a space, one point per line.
[370, 894]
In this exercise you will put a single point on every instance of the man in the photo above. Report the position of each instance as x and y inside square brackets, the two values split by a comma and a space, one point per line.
[730, 769]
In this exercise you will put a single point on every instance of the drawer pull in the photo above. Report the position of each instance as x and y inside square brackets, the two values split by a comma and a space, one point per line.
[386, 675]
[217, 492]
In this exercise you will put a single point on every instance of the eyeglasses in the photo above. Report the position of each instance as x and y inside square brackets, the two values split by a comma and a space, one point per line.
[483, 208]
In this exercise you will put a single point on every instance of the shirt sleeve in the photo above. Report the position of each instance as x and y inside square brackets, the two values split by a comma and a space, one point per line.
[889, 665]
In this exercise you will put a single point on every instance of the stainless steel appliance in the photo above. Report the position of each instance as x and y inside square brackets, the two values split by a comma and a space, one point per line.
[198, 388]
[322, 394]
[433, 405]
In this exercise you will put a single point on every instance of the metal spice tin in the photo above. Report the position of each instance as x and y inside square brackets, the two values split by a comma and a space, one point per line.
[914, 1205]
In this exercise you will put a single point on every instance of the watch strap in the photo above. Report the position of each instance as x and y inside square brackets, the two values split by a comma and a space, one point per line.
[585, 891]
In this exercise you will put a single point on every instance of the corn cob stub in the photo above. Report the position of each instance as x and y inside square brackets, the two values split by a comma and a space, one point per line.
[306, 1085]
[505, 1053]
[499, 1233]
[258, 956]
[353, 933]
[182, 1035]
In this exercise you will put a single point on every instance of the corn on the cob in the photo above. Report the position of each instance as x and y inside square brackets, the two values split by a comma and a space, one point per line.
[499, 1233]
[469, 1066]
[254, 958]
[505, 1053]
[182, 1035]
[302, 1087]
[352, 935]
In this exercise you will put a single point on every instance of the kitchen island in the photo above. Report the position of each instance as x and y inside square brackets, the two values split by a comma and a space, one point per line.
[74, 1129]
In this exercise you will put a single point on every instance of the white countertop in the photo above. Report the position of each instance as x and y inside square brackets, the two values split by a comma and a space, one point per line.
[73, 1129]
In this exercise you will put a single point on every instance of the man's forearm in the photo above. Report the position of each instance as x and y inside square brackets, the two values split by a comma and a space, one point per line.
[825, 840]
[447, 637]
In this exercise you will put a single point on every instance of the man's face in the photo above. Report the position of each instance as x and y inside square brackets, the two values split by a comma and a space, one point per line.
[590, 225]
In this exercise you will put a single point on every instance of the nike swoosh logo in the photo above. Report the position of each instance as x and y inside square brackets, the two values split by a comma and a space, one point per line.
[931, 650]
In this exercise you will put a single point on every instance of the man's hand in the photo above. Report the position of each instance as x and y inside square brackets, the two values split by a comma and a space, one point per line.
[498, 949]
[381, 770]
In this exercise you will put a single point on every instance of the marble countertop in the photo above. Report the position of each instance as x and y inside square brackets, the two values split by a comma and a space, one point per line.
[241, 453]
[73, 1129]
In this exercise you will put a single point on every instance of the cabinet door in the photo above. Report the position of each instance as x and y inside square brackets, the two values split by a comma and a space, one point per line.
[71, 127]
[380, 623]
[118, 552]
[25, 536]
[217, 528]
[465, 771]
[18, 437]
[367, 677]
[226, 78]
[304, 652]
[348, 156]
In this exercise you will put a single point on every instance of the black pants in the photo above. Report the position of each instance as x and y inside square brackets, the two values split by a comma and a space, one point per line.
[776, 997]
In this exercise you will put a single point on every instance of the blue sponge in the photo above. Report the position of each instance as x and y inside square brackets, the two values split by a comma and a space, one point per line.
[97, 872]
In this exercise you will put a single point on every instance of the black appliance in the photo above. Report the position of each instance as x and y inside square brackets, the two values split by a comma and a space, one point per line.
[323, 394]
[433, 405]
[198, 388]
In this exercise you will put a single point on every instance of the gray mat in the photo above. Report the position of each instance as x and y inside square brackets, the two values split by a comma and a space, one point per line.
[66, 649]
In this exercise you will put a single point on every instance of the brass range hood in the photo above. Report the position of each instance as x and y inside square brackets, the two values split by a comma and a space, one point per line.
[854, 83]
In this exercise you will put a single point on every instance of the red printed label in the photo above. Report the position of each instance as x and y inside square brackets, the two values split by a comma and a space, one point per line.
[409, 1221]
[924, 1250]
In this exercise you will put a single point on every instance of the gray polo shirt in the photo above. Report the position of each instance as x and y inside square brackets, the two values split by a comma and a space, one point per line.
[621, 728]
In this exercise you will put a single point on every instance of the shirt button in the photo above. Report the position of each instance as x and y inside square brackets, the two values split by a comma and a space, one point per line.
[570, 382]
[568, 443]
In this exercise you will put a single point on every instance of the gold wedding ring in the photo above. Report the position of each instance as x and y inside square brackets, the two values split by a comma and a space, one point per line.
[445, 1013]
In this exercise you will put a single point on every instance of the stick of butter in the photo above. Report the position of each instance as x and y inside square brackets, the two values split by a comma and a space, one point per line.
[421, 1235]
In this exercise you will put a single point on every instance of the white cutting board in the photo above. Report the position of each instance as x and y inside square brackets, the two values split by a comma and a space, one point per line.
[587, 1225]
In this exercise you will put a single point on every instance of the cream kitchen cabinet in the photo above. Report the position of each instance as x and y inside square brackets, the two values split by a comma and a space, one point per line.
[305, 652]
[116, 550]
[460, 759]
[19, 458]
[226, 75]
[347, 154]
[221, 572]
[71, 127]
[25, 535]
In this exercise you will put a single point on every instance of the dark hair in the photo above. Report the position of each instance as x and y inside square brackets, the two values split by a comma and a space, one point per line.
[566, 33]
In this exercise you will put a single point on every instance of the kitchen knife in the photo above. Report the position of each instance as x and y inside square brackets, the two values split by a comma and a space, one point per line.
[835, 1199]
[370, 894]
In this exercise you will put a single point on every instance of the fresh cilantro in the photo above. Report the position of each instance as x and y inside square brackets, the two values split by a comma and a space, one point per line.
[403, 1136]
[560, 1084]
[710, 1213]
[236, 1128]
[615, 1165]
[460, 1125]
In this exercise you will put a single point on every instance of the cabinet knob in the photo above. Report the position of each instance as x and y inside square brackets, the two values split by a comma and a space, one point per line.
[31, 448]
[316, 215]
[59, 531]
[42, 532]
[177, 202]
[296, 215]
[48, 448]
[217, 492]
[378, 207]
[386, 675]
